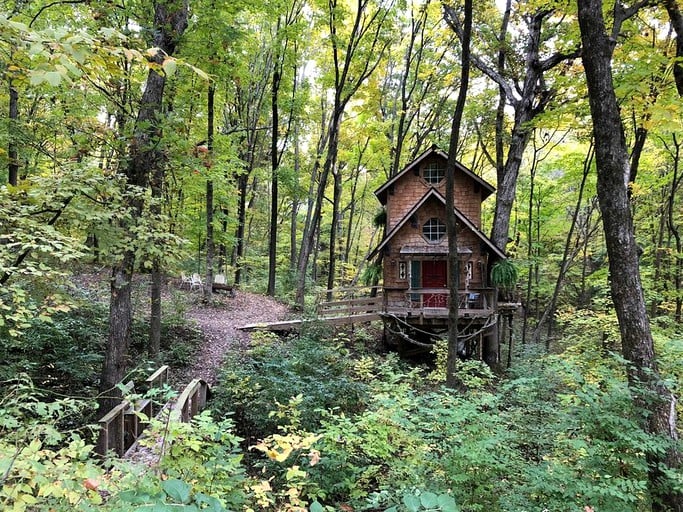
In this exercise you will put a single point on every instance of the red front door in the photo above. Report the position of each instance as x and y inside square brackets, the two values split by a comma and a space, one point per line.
[434, 275]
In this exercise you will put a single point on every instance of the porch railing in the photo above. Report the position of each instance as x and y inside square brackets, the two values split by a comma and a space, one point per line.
[482, 299]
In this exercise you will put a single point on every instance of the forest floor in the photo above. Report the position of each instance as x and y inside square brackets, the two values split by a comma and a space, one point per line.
[219, 323]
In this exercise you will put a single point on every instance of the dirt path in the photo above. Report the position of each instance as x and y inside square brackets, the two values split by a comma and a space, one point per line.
[220, 324]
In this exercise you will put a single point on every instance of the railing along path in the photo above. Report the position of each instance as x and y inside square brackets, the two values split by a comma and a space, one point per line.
[121, 427]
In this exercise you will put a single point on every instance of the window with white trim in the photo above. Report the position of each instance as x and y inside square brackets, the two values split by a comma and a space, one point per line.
[434, 230]
[433, 173]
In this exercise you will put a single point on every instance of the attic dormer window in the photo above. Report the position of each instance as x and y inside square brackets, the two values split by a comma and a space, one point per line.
[433, 173]
[434, 230]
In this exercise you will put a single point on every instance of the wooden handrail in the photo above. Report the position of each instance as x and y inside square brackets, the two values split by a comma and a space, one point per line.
[480, 298]
[191, 401]
[120, 427]
[112, 431]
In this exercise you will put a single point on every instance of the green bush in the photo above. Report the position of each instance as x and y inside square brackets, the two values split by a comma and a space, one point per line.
[277, 370]
[64, 353]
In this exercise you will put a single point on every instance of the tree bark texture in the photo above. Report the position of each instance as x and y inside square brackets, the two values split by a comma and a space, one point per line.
[170, 21]
[612, 185]
[676, 19]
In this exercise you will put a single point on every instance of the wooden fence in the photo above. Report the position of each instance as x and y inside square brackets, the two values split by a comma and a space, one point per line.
[121, 427]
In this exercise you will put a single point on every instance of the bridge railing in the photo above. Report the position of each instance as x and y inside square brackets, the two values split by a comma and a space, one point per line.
[191, 401]
[345, 302]
[121, 427]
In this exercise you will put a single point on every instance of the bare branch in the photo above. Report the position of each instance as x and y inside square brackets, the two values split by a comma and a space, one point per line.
[451, 17]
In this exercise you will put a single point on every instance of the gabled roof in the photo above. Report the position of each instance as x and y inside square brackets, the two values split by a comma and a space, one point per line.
[381, 192]
[432, 193]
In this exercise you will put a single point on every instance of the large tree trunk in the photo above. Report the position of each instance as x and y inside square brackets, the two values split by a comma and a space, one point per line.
[613, 172]
[170, 21]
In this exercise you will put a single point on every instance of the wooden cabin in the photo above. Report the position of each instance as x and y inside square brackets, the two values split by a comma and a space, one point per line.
[414, 253]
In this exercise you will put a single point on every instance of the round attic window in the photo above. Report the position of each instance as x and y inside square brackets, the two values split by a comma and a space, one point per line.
[434, 230]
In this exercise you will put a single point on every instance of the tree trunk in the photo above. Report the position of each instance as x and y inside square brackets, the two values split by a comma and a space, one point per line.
[308, 242]
[210, 246]
[170, 21]
[451, 226]
[274, 160]
[242, 183]
[674, 231]
[567, 256]
[210, 239]
[336, 199]
[12, 152]
[613, 172]
[155, 310]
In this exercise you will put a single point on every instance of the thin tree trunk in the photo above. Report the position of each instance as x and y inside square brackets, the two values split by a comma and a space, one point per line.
[567, 254]
[451, 226]
[336, 199]
[210, 240]
[12, 152]
[613, 172]
[673, 229]
[242, 183]
[274, 160]
[155, 310]
[210, 246]
[296, 204]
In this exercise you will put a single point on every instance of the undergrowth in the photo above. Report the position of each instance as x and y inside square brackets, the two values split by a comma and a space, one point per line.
[320, 423]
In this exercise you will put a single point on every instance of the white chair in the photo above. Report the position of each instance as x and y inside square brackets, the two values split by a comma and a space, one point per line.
[219, 279]
[185, 280]
[195, 280]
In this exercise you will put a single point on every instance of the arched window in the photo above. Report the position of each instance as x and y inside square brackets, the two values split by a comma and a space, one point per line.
[434, 230]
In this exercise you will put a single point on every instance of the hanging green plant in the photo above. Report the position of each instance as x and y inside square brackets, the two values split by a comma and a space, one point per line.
[372, 274]
[504, 274]
[380, 218]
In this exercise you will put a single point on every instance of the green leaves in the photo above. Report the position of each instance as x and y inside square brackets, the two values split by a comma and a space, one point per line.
[504, 274]
[177, 490]
[427, 501]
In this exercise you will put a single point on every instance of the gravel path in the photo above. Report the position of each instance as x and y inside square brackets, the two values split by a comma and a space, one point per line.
[220, 324]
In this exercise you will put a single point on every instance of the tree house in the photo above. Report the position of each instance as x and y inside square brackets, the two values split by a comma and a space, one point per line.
[414, 254]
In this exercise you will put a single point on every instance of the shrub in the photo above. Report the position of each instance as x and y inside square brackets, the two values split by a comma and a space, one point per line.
[63, 353]
[277, 370]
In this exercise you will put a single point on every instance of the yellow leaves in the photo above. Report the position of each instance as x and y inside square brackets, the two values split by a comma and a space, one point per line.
[278, 447]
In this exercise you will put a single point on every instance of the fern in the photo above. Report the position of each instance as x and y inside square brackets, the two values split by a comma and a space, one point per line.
[504, 274]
